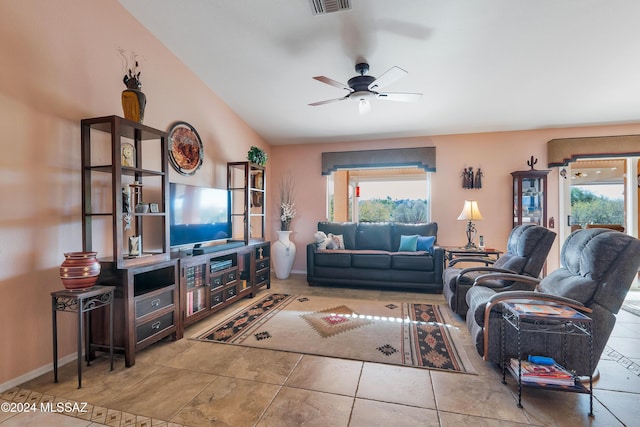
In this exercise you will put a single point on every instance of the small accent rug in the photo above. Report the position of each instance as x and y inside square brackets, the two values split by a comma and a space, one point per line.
[418, 335]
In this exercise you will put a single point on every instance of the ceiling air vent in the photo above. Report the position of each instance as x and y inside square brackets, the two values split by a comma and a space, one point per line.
[321, 7]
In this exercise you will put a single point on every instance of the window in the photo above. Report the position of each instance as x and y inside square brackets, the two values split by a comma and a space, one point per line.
[379, 194]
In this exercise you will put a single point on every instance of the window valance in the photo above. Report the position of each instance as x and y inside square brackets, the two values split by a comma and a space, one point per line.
[562, 151]
[423, 157]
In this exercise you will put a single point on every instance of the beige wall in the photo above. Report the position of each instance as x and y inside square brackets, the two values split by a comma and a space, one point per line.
[498, 154]
[59, 64]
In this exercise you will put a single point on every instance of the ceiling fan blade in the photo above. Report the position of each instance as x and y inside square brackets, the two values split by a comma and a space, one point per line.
[329, 101]
[332, 82]
[393, 74]
[397, 96]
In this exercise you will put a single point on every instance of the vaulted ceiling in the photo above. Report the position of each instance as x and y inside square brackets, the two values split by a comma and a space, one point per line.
[490, 65]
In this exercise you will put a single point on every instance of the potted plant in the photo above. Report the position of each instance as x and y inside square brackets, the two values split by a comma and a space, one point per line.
[257, 155]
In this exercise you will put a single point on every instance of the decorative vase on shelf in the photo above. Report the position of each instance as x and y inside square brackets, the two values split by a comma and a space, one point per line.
[133, 103]
[283, 252]
[133, 99]
[79, 270]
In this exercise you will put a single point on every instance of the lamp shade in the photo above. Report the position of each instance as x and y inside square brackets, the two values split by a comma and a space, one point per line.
[470, 211]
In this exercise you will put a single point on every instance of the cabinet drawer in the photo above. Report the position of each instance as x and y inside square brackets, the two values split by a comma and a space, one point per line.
[230, 292]
[262, 276]
[154, 326]
[261, 264]
[230, 276]
[216, 298]
[146, 304]
[216, 281]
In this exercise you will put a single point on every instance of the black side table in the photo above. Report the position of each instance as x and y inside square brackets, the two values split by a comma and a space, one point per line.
[81, 302]
[550, 319]
[452, 252]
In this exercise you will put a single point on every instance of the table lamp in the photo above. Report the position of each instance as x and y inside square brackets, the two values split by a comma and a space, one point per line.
[470, 212]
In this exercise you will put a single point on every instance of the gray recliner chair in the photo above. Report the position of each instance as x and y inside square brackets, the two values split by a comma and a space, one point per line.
[527, 249]
[598, 268]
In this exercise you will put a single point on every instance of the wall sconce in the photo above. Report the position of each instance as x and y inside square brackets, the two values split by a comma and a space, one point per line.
[471, 179]
[470, 212]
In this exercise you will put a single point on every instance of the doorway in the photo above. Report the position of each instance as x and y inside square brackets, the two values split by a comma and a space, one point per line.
[601, 192]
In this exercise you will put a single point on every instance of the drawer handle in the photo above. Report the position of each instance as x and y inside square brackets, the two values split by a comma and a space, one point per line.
[232, 276]
[217, 282]
[156, 325]
[155, 302]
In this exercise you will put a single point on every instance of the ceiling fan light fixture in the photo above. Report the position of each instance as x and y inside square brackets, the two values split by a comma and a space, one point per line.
[364, 106]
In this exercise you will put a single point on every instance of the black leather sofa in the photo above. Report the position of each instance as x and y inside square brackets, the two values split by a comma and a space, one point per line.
[371, 258]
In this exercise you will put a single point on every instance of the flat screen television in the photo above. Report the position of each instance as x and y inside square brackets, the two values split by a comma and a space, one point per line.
[198, 215]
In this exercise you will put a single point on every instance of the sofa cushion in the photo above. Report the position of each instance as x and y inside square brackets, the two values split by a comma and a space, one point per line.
[346, 229]
[415, 261]
[408, 243]
[426, 229]
[373, 236]
[377, 260]
[333, 258]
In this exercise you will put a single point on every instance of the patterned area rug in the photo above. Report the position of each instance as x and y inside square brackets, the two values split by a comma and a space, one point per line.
[418, 335]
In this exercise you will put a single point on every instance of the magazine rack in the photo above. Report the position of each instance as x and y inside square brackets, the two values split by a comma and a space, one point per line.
[549, 319]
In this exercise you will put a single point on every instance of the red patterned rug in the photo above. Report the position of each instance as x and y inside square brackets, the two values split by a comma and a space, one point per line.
[419, 335]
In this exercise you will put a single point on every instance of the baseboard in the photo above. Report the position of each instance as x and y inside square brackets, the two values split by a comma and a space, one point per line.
[36, 373]
[299, 271]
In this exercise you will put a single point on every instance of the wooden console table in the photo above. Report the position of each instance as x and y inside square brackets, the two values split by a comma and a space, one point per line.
[81, 302]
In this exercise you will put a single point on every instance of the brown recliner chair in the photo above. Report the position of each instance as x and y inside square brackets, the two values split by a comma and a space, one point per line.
[527, 249]
[598, 268]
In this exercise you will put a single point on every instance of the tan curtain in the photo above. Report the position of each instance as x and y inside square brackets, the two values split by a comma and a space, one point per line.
[562, 151]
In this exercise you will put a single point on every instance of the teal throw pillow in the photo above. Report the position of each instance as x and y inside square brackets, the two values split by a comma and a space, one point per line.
[425, 243]
[408, 243]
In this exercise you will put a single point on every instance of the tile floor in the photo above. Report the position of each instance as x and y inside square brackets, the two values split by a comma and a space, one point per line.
[194, 383]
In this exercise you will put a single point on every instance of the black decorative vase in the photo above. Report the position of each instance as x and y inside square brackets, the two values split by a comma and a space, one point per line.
[133, 103]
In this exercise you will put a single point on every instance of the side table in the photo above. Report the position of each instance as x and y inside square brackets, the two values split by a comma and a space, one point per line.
[549, 319]
[81, 302]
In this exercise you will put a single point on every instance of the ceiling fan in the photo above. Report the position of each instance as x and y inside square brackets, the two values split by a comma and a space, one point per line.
[363, 88]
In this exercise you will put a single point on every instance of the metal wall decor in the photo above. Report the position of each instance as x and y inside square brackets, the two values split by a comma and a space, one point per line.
[186, 151]
[471, 179]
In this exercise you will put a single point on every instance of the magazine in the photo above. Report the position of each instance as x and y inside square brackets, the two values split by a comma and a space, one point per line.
[546, 309]
[543, 374]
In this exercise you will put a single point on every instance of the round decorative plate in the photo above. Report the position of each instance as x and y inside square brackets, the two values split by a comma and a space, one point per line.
[185, 148]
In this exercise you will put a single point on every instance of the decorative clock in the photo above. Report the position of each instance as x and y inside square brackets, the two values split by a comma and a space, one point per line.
[128, 154]
[186, 152]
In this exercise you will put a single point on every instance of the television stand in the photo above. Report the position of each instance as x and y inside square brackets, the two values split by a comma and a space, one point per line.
[201, 250]
[211, 281]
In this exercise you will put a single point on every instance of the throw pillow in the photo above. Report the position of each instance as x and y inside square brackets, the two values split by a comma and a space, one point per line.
[408, 243]
[322, 240]
[338, 240]
[425, 243]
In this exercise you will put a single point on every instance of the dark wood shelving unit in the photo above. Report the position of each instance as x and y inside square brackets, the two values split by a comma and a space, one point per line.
[147, 303]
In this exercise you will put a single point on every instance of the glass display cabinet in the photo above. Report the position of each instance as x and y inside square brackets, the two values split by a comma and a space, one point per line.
[530, 197]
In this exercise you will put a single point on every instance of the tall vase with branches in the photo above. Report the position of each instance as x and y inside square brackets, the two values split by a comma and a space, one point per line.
[287, 206]
[284, 250]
